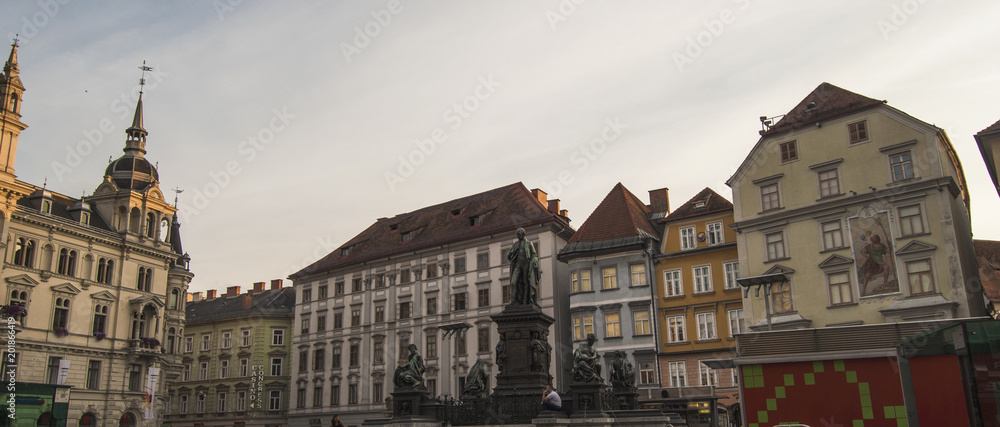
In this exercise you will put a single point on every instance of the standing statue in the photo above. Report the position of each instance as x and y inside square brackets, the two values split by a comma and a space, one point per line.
[501, 352]
[524, 270]
[622, 374]
[538, 355]
[475, 382]
[410, 374]
[586, 362]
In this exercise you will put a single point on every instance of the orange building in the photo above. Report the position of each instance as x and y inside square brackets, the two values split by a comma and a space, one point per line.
[699, 302]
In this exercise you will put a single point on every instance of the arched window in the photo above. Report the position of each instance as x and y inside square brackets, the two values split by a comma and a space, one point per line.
[105, 271]
[150, 225]
[63, 266]
[128, 420]
[46, 206]
[145, 281]
[174, 297]
[171, 340]
[60, 317]
[24, 254]
[164, 229]
[134, 220]
[13, 102]
[100, 319]
[47, 419]
[71, 264]
[88, 420]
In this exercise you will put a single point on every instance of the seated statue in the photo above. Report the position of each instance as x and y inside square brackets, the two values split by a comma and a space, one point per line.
[410, 374]
[586, 362]
[622, 374]
[475, 382]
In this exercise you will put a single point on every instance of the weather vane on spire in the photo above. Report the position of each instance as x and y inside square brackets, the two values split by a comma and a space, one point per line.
[177, 191]
[142, 78]
[15, 39]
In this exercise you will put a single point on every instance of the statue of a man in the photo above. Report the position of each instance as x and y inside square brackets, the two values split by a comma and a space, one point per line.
[586, 362]
[475, 382]
[410, 374]
[524, 270]
[501, 352]
[538, 353]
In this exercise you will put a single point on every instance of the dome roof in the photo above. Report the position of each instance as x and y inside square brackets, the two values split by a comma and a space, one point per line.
[133, 173]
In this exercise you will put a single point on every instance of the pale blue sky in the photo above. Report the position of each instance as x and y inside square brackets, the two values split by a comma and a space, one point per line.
[542, 80]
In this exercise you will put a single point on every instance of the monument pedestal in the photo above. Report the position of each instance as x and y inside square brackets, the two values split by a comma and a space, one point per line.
[588, 399]
[626, 398]
[524, 370]
[413, 405]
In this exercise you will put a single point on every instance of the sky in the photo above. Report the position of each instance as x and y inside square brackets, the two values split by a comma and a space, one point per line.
[293, 126]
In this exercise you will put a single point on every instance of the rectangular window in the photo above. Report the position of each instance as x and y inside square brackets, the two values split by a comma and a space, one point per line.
[188, 344]
[672, 285]
[277, 337]
[335, 356]
[641, 319]
[432, 271]
[638, 272]
[244, 367]
[274, 400]
[241, 401]
[338, 320]
[306, 295]
[675, 329]
[581, 281]
[833, 238]
[769, 198]
[379, 313]
[183, 405]
[378, 352]
[484, 297]
[356, 285]
[405, 310]
[431, 346]
[901, 166]
[335, 395]
[505, 291]
[781, 298]
[582, 325]
[276, 366]
[920, 277]
[775, 245]
[432, 306]
[323, 291]
[135, 377]
[404, 276]
[678, 375]
[789, 151]
[458, 301]
[94, 374]
[432, 386]
[206, 342]
[319, 359]
[840, 288]
[320, 323]
[706, 326]
[483, 335]
[702, 278]
[732, 270]
[200, 403]
[203, 371]
[715, 234]
[459, 264]
[356, 317]
[736, 325]
[708, 375]
[911, 221]
[317, 396]
[610, 277]
[377, 393]
[305, 325]
[829, 183]
[483, 260]
[223, 369]
[220, 405]
[303, 361]
[858, 131]
[687, 238]
[461, 347]
[338, 288]
[647, 375]
[354, 355]
[612, 325]
[186, 373]
[52, 374]
[352, 394]
[245, 338]
[300, 399]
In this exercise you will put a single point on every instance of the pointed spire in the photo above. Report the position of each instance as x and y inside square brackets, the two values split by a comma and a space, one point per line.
[10, 68]
[136, 131]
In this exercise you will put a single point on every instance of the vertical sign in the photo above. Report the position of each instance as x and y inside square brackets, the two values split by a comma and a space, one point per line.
[257, 388]
[63, 371]
[152, 379]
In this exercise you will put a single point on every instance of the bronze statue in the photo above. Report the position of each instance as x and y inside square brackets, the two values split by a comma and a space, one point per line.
[501, 352]
[538, 361]
[410, 374]
[586, 362]
[524, 270]
[622, 374]
[475, 382]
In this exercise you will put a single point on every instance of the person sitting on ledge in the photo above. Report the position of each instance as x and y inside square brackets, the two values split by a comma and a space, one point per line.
[551, 400]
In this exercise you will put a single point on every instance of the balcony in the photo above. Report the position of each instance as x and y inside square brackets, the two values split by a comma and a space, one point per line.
[145, 346]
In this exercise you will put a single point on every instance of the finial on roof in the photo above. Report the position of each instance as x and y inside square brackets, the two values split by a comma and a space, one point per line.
[10, 68]
[177, 191]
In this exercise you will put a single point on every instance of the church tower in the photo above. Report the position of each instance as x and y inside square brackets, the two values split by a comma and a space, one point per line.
[11, 91]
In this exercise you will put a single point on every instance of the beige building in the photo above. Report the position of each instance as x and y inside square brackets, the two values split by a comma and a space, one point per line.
[849, 211]
[431, 277]
[102, 280]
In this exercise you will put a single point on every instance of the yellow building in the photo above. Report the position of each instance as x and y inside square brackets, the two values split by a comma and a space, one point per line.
[699, 300]
[851, 212]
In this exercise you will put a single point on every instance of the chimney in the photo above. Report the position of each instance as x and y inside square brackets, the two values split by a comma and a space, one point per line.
[194, 296]
[276, 284]
[658, 201]
[232, 291]
[258, 287]
[554, 206]
[565, 214]
[211, 294]
[247, 301]
[542, 196]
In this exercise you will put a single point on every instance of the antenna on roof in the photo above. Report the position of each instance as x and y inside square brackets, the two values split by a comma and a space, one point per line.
[766, 122]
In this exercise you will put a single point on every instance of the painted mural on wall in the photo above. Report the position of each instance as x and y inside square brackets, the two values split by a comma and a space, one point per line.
[874, 261]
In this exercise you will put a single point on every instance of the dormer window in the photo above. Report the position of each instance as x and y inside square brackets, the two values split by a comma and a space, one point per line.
[46, 206]
[699, 205]
[456, 212]
[345, 251]
[407, 236]
[84, 218]
[476, 220]
[394, 227]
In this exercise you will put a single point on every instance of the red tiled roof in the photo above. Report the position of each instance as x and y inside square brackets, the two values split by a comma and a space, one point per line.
[988, 255]
[503, 209]
[619, 215]
[828, 102]
[992, 128]
[713, 203]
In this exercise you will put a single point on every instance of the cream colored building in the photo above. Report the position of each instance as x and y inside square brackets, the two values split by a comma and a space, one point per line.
[853, 212]
[102, 279]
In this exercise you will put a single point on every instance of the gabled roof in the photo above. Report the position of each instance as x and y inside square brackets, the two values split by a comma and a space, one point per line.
[823, 103]
[268, 302]
[988, 255]
[619, 221]
[995, 127]
[499, 210]
[704, 203]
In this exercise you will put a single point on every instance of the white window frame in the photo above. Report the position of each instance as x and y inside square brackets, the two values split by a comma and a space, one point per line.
[732, 271]
[676, 332]
[613, 328]
[678, 373]
[841, 287]
[780, 246]
[737, 324]
[929, 273]
[836, 236]
[638, 277]
[688, 240]
[641, 322]
[903, 170]
[706, 326]
[609, 281]
[833, 187]
[583, 324]
[770, 203]
[277, 337]
[673, 283]
[702, 275]
[716, 235]
[707, 376]
[909, 229]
